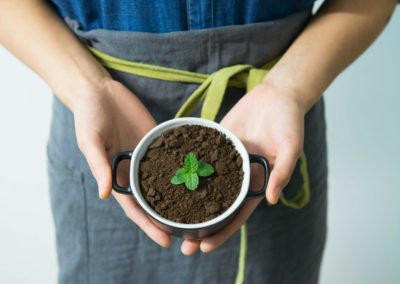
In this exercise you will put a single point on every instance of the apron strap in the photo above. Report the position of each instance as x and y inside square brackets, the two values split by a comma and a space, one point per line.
[213, 89]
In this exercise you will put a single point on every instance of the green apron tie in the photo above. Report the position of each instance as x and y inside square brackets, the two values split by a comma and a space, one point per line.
[213, 89]
[211, 92]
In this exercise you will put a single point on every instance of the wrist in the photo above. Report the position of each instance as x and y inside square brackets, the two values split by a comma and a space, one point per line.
[72, 90]
[287, 92]
[291, 80]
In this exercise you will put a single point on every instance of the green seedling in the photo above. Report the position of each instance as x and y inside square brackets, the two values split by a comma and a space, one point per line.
[192, 169]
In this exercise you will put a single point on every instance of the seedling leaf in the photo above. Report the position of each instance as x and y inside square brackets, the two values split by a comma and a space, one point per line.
[190, 163]
[192, 181]
[204, 169]
[180, 176]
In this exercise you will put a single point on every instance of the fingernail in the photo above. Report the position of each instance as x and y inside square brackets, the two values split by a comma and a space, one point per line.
[271, 202]
[103, 194]
[100, 194]
[274, 201]
[167, 244]
[186, 253]
[205, 247]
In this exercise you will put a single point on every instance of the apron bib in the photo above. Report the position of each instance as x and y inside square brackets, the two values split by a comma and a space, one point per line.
[97, 244]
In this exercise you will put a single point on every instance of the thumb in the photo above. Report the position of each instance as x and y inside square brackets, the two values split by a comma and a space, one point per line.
[280, 174]
[96, 156]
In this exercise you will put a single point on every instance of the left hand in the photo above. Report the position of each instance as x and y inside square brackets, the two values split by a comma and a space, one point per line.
[270, 122]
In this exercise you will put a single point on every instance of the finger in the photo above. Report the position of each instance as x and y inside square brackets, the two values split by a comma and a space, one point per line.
[134, 213]
[96, 156]
[212, 242]
[189, 247]
[280, 174]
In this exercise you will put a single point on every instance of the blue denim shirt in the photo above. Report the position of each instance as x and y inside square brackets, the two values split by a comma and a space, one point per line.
[160, 16]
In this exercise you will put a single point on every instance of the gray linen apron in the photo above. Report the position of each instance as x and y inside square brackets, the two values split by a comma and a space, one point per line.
[96, 243]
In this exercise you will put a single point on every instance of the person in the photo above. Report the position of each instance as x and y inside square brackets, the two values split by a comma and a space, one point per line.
[98, 112]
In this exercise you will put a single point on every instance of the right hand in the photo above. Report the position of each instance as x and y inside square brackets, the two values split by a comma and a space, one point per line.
[110, 119]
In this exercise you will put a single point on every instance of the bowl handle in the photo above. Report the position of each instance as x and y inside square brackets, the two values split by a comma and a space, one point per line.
[264, 163]
[117, 159]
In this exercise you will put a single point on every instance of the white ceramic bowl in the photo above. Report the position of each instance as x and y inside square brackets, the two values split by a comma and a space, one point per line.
[188, 231]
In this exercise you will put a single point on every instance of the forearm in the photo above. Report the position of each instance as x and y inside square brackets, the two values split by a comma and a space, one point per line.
[334, 38]
[33, 32]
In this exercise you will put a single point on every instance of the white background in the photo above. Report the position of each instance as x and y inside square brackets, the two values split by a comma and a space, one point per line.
[363, 114]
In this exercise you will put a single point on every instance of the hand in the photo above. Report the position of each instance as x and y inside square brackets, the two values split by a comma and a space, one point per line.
[269, 122]
[110, 119]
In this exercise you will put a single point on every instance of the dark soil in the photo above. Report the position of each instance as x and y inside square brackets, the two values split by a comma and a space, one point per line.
[215, 193]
